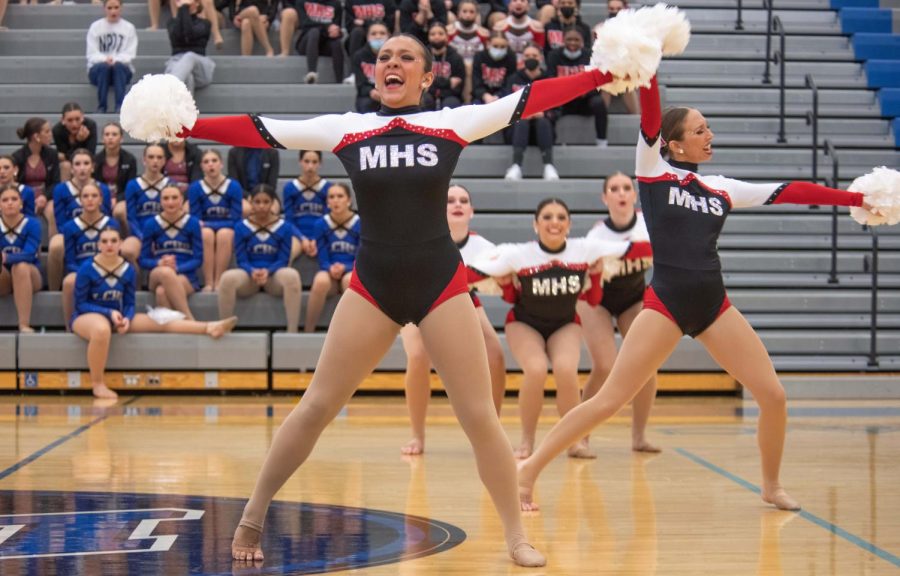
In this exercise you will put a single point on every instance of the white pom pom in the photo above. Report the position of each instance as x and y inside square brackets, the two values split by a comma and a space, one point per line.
[668, 24]
[162, 315]
[157, 108]
[881, 190]
[626, 51]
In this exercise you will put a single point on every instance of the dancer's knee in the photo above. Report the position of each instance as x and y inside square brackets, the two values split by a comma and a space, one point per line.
[771, 396]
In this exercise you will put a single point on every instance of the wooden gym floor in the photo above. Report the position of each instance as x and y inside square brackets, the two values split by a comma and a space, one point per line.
[154, 485]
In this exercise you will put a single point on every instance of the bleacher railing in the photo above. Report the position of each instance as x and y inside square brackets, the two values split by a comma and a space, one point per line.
[739, 24]
[812, 119]
[831, 152]
[773, 24]
[873, 316]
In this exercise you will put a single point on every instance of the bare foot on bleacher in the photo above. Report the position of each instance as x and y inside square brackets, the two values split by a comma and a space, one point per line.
[208, 288]
[414, 447]
[219, 41]
[270, 53]
[25, 329]
[222, 327]
[245, 545]
[103, 391]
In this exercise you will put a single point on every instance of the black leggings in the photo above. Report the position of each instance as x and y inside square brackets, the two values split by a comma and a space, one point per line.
[314, 41]
[590, 105]
[543, 132]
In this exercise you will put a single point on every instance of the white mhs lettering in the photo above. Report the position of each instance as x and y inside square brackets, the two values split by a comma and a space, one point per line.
[555, 286]
[683, 198]
[384, 156]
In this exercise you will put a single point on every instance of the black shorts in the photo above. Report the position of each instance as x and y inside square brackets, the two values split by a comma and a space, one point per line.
[692, 299]
[622, 293]
[546, 327]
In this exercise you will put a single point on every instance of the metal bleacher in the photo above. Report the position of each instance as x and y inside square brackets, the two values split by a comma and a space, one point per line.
[776, 259]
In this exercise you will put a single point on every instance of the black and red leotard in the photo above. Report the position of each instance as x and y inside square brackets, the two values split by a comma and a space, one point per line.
[400, 162]
[623, 284]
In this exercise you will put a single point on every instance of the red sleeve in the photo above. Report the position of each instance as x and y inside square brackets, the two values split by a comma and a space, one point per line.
[473, 276]
[233, 130]
[510, 294]
[638, 250]
[553, 92]
[651, 112]
[594, 294]
[809, 193]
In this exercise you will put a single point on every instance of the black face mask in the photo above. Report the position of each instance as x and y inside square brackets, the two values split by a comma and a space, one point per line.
[518, 14]
[611, 15]
[466, 23]
[438, 45]
[532, 64]
[567, 11]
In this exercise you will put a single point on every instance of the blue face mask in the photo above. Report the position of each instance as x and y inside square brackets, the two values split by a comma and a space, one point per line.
[572, 54]
[376, 43]
[498, 53]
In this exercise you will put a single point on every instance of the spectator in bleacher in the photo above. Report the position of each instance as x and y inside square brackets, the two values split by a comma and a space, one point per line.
[111, 47]
[491, 69]
[359, 16]
[262, 249]
[417, 16]
[210, 11]
[540, 124]
[73, 131]
[254, 17]
[547, 10]
[81, 236]
[572, 59]
[20, 241]
[8, 174]
[449, 72]
[337, 237]
[104, 304]
[305, 201]
[630, 98]
[496, 11]
[614, 6]
[115, 167]
[172, 252]
[568, 17]
[520, 29]
[2, 14]
[142, 193]
[188, 36]
[215, 200]
[468, 37]
[183, 164]
[66, 206]
[253, 166]
[363, 67]
[320, 33]
[37, 163]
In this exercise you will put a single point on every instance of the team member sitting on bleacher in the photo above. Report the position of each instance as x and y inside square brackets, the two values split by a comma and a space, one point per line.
[20, 241]
[182, 163]
[73, 131]
[491, 69]
[567, 18]
[630, 98]
[262, 248]
[541, 122]
[104, 304]
[363, 67]
[521, 30]
[66, 206]
[142, 193]
[337, 237]
[111, 46]
[449, 72]
[115, 166]
[209, 11]
[253, 166]
[81, 236]
[253, 18]
[305, 201]
[188, 36]
[359, 16]
[216, 201]
[417, 16]
[572, 59]
[37, 163]
[320, 33]
[172, 251]
[8, 174]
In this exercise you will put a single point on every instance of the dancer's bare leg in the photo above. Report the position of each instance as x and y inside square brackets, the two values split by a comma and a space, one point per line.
[175, 289]
[496, 359]
[26, 280]
[322, 287]
[286, 284]
[289, 20]
[224, 249]
[358, 331]
[141, 323]
[209, 258]
[68, 298]
[211, 14]
[462, 364]
[643, 402]
[56, 252]
[564, 349]
[528, 348]
[96, 330]
[734, 345]
[654, 338]
[417, 382]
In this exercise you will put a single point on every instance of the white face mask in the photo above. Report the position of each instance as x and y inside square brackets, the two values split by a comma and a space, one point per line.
[572, 54]
[498, 53]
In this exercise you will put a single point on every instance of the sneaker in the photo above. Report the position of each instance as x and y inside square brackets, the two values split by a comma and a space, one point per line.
[311, 77]
[550, 172]
[602, 143]
[514, 172]
[350, 80]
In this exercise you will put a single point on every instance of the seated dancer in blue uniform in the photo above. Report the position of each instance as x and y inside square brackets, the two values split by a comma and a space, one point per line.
[337, 239]
[623, 292]
[417, 379]
[80, 236]
[142, 193]
[544, 280]
[67, 205]
[216, 201]
[20, 241]
[104, 305]
[305, 201]
[172, 251]
[9, 173]
[400, 161]
[262, 248]
[685, 212]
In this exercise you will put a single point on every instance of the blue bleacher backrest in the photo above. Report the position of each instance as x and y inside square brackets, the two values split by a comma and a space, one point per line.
[874, 19]
[839, 4]
[875, 45]
[889, 99]
[883, 73]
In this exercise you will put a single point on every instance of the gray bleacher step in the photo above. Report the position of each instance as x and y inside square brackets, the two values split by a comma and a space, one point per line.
[823, 299]
[749, 73]
[822, 321]
[8, 351]
[719, 19]
[821, 279]
[806, 261]
[859, 242]
[59, 351]
[834, 387]
[701, 97]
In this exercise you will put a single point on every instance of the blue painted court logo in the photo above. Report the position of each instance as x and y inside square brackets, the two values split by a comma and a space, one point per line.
[166, 535]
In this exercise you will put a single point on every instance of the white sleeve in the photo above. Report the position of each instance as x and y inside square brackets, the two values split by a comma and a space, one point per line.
[742, 194]
[129, 51]
[475, 121]
[596, 249]
[93, 54]
[497, 262]
[319, 133]
[647, 162]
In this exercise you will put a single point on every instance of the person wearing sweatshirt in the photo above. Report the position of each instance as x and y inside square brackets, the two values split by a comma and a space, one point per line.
[111, 47]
